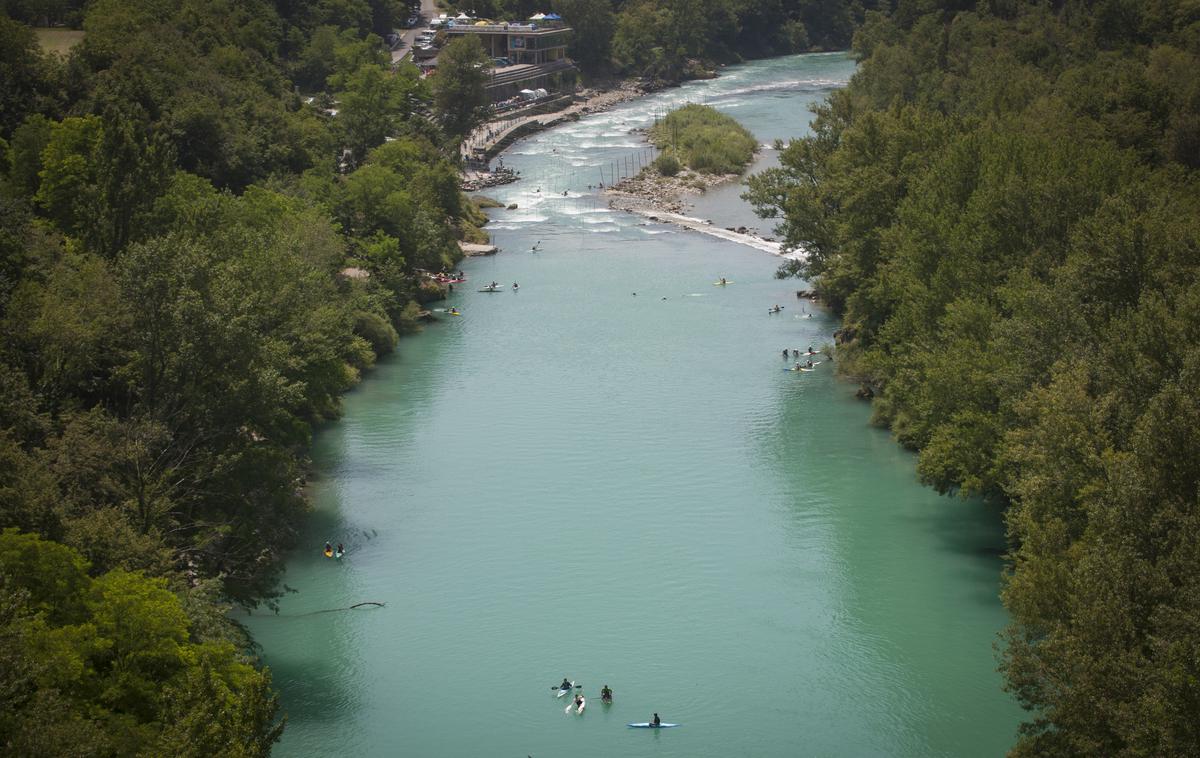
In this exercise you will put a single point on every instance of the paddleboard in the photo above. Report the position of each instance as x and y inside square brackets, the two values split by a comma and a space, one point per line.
[648, 725]
[578, 710]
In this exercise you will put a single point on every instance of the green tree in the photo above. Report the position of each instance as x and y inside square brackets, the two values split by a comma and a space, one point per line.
[593, 25]
[374, 102]
[459, 94]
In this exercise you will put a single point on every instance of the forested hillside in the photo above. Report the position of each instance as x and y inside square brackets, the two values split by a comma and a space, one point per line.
[671, 40]
[1004, 206]
[174, 224]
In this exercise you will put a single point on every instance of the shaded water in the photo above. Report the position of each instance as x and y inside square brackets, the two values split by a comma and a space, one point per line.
[628, 490]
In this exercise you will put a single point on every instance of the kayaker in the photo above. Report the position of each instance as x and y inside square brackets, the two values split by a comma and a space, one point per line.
[785, 353]
[723, 280]
[810, 364]
[797, 366]
[516, 286]
[566, 685]
[605, 694]
[795, 353]
[656, 722]
[340, 550]
[578, 701]
[328, 549]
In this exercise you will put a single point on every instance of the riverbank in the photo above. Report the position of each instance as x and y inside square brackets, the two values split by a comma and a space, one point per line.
[495, 135]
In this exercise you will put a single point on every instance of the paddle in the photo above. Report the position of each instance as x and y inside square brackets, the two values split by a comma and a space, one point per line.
[559, 687]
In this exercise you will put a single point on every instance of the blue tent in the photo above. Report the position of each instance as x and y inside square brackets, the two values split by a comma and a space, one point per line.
[553, 17]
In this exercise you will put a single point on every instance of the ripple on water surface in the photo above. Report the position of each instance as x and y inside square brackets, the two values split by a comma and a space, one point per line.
[573, 480]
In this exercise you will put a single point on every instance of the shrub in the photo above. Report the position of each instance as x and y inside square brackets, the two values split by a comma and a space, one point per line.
[667, 165]
[706, 139]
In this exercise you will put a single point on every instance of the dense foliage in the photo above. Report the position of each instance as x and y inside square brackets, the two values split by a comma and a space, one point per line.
[704, 139]
[459, 96]
[1005, 207]
[670, 40]
[194, 264]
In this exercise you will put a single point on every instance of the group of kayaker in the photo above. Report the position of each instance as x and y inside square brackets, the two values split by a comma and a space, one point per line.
[606, 697]
[496, 286]
[331, 553]
[796, 353]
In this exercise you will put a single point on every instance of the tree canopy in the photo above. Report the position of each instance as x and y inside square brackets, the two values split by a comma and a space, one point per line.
[1004, 208]
[175, 220]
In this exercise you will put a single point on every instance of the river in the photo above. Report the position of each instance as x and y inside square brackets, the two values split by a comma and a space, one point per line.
[626, 489]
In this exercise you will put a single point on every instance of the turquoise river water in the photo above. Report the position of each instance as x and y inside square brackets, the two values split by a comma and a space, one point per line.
[574, 480]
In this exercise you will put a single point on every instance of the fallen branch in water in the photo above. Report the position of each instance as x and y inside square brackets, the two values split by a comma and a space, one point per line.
[371, 603]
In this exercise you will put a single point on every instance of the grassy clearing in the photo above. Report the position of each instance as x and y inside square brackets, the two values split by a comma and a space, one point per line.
[58, 40]
[705, 140]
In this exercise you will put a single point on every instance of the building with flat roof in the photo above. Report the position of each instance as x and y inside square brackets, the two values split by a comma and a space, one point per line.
[531, 56]
[519, 43]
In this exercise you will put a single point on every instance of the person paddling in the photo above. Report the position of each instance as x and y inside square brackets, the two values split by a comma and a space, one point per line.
[657, 722]
[605, 694]
[328, 550]
[566, 685]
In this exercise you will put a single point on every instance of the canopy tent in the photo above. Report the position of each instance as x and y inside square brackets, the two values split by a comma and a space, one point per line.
[481, 23]
[462, 17]
[538, 17]
[552, 17]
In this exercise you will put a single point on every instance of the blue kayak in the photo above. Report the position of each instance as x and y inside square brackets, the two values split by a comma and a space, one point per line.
[648, 725]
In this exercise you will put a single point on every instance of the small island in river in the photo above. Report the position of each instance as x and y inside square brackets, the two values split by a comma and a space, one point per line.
[700, 149]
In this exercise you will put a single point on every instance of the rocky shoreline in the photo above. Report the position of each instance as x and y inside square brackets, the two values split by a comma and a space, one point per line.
[664, 199]
[665, 193]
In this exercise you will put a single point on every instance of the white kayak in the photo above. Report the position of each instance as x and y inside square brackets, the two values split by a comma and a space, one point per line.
[560, 691]
[648, 725]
